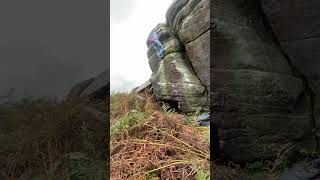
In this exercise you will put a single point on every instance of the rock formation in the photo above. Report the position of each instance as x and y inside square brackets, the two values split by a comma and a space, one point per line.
[264, 73]
[183, 75]
[145, 87]
[263, 66]
[97, 87]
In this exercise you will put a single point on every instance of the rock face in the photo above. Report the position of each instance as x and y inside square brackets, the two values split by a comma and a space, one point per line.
[265, 87]
[296, 25]
[183, 75]
[263, 66]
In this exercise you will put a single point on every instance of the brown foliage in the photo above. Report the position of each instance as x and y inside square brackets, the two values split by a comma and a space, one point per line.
[160, 144]
[40, 132]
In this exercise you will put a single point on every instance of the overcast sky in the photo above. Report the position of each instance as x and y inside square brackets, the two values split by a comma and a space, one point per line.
[131, 23]
[46, 47]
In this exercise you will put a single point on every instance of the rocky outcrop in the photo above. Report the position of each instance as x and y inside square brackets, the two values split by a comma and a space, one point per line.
[97, 87]
[77, 89]
[183, 74]
[260, 98]
[265, 87]
[142, 88]
[190, 19]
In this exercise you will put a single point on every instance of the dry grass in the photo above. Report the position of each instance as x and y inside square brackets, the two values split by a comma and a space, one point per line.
[122, 104]
[39, 134]
[148, 142]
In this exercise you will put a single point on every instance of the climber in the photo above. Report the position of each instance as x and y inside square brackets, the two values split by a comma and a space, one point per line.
[157, 46]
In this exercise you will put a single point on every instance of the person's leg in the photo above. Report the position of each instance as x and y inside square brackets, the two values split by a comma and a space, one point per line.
[160, 47]
[157, 49]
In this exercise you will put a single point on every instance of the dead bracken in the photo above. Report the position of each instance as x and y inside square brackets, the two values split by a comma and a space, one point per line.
[148, 142]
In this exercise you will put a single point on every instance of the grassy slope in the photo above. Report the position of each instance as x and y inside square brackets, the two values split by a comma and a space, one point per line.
[153, 142]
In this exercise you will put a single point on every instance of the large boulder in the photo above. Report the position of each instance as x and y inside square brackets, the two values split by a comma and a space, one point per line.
[173, 78]
[183, 75]
[258, 102]
[99, 88]
[190, 20]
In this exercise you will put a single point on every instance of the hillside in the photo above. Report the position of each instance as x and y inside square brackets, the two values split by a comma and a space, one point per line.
[151, 141]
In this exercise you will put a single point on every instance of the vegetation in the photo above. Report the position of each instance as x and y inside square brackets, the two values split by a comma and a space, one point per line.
[150, 141]
[47, 139]
[287, 158]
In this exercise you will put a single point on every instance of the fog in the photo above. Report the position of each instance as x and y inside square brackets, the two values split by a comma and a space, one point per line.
[46, 47]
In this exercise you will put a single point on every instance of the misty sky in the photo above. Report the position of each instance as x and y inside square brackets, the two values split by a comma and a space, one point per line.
[46, 47]
[131, 23]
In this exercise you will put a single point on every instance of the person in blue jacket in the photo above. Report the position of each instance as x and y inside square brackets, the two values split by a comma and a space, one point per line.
[157, 45]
